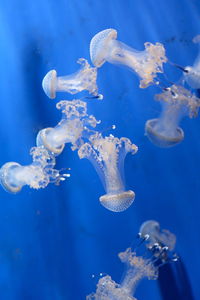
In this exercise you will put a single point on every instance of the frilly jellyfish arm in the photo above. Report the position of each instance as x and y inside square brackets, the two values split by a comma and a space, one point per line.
[192, 73]
[107, 155]
[108, 289]
[138, 268]
[74, 122]
[146, 64]
[84, 79]
[37, 175]
[176, 103]
[157, 235]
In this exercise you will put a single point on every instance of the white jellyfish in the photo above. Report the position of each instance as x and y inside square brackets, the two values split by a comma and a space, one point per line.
[84, 79]
[146, 64]
[107, 155]
[176, 103]
[137, 268]
[37, 175]
[74, 122]
[192, 73]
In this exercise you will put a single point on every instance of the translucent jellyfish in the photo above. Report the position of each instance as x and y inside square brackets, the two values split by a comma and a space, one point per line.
[107, 155]
[155, 235]
[137, 268]
[74, 122]
[192, 73]
[84, 79]
[176, 103]
[37, 175]
[146, 64]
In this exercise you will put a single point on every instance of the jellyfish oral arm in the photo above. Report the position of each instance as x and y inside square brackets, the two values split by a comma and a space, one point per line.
[113, 180]
[144, 63]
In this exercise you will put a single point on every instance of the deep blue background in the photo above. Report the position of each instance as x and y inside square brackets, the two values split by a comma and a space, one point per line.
[53, 240]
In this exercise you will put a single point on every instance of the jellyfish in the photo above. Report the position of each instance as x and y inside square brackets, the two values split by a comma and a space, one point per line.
[74, 122]
[192, 73]
[107, 155]
[176, 103]
[104, 46]
[84, 79]
[39, 174]
[137, 268]
[155, 235]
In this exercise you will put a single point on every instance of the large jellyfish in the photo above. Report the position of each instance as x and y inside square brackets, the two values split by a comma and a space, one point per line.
[107, 155]
[84, 79]
[176, 103]
[146, 64]
[137, 268]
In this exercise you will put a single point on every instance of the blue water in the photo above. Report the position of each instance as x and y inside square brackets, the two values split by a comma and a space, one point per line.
[53, 240]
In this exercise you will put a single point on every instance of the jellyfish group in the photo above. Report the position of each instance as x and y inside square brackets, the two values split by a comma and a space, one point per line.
[107, 153]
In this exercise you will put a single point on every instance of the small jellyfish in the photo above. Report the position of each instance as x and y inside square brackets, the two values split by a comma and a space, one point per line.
[74, 122]
[84, 79]
[137, 268]
[155, 235]
[146, 64]
[176, 103]
[107, 155]
[192, 73]
[37, 175]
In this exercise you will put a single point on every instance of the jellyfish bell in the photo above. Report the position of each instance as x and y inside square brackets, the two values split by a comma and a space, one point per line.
[118, 202]
[146, 64]
[42, 140]
[162, 140]
[49, 84]
[83, 79]
[7, 179]
[100, 46]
